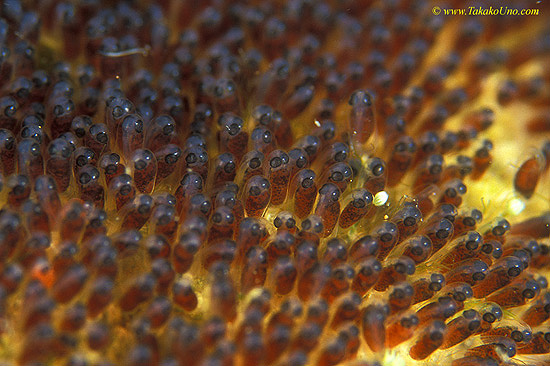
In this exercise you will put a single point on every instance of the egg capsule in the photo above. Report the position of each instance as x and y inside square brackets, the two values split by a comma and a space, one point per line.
[297, 160]
[255, 268]
[251, 232]
[518, 331]
[97, 138]
[11, 277]
[439, 231]
[407, 219]
[400, 160]
[263, 140]
[195, 158]
[312, 230]
[338, 283]
[88, 182]
[367, 273]
[144, 169]
[303, 191]
[461, 328]
[387, 236]
[429, 340]
[74, 318]
[462, 248]
[500, 274]
[361, 118]
[190, 184]
[58, 163]
[537, 227]
[337, 152]
[482, 160]
[99, 297]
[396, 270]
[280, 245]
[29, 158]
[36, 217]
[83, 156]
[311, 145]
[223, 292]
[429, 172]
[340, 174]
[335, 252]
[364, 247]
[540, 343]
[442, 308]
[278, 174]
[400, 297]
[7, 151]
[222, 224]
[360, 201]
[374, 329]
[110, 166]
[139, 291]
[494, 347]
[311, 281]
[375, 175]
[168, 160]
[232, 137]
[122, 190]
[467, 220]
[517, 293]
[9, 107]
[452, 192]
[159, 132]
[496, 229]
[418, 248]
[528, 175]
[400, 328]
[539, 311]
[69, 284]
[136, 212]
[256, 195]
[470, 271]
[426, 287]
[328, 207]
[252, 163]
[346, 310]
[184, 295]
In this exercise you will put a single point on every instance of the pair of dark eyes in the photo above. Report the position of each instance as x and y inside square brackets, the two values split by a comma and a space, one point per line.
[369, 270]
[277, 161]
[219, 91]
[257, 190]
[334, 195]
[307, 182]
[65, 152]
[10, 110]
[254, 163]
[86, 178]
[140, 164]
[403, 268]
[360, 98]
[290, 223]
[402, 147]
[306, 225]
[58, 110]
[191, 179]
[218, 217]
[192, 158]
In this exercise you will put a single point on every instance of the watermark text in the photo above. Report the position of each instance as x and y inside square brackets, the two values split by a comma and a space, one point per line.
[478, 10]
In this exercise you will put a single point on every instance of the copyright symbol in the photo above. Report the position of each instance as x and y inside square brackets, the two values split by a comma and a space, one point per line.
[436, 10]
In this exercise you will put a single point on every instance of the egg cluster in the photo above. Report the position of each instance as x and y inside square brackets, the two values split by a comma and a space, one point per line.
[272, 183]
